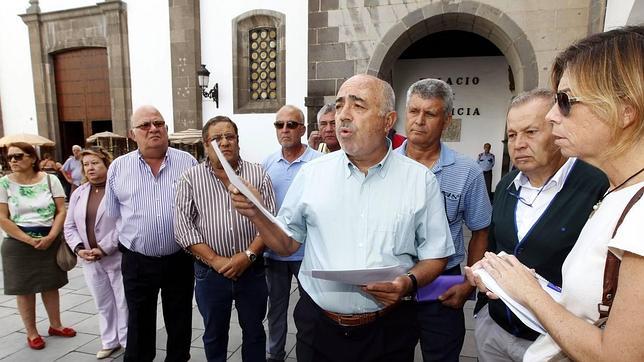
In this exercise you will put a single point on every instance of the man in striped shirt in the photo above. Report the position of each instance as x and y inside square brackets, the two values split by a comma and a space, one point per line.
[139, 194]
[226, 245]
[428, 111]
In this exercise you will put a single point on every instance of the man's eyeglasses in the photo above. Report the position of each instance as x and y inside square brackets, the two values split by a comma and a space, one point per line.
[145, 126]
[15, 156]
[230, 137]
[289, 124]
[449, 196]
[523, 200]
[565, 102]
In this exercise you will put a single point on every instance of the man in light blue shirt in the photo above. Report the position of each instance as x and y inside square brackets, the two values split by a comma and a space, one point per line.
[359, 208]
[282, 166]
[72, 168]
[428, 113]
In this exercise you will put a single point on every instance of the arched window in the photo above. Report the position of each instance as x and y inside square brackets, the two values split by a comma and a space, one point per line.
[259, 62]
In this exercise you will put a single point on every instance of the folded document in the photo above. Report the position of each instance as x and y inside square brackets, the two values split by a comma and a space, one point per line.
[524, 314]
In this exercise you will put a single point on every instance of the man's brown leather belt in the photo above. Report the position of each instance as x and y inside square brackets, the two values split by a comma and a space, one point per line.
[354, 320]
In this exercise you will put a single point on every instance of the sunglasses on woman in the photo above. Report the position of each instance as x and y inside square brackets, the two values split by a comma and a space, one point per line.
[289, 124]
[15, 156]
[565, 102]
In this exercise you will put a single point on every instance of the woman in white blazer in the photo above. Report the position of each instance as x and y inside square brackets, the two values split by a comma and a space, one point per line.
[97, 247]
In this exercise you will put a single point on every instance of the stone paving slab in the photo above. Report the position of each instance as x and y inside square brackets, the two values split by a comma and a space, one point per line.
[79, 311]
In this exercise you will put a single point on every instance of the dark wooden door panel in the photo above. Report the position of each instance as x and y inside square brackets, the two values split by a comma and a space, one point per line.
[82, 92]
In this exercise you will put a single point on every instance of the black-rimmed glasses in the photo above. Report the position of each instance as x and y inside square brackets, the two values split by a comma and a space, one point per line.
[449, 196]
[517, 194]
[289, 124]
[565, 102]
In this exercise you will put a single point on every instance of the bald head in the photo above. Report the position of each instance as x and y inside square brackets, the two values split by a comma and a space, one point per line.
[382, 89]
[150, 132]
[144, 111]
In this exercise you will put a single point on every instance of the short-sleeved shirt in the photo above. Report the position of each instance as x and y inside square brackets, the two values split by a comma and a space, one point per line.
[583, 270]
[485, 161]
[464, 194]
[31, 205]
[393, 216]
[142, 203]
[282, 174]
[75, 168]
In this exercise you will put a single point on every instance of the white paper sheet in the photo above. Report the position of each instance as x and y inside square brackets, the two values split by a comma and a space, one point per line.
[239, 184]
[524, 314]
[360, 276]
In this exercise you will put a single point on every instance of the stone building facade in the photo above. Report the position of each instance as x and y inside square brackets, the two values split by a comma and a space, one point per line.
[347, 37]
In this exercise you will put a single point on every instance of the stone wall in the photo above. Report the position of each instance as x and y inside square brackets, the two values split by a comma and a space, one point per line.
[185, 52]
[347, 37]
[103, 25]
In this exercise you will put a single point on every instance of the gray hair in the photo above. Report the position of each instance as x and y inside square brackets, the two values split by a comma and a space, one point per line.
[326, 109]
[531, 95]
[77, 147]
[433, 88]
[290, 107]
[388, 99]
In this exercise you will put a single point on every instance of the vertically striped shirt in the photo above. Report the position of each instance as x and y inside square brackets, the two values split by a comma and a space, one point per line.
[143, 203]
[204, 212]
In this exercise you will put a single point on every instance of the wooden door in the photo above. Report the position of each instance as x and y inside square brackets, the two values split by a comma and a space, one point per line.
[83, 95]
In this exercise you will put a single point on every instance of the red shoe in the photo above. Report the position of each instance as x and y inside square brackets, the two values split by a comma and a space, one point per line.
[36, 343]
[65, 332]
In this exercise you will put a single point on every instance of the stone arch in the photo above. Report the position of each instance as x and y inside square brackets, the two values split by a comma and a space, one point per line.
[472, 16]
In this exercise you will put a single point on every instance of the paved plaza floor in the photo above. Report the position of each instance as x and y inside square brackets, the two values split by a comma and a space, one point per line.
[78, 311]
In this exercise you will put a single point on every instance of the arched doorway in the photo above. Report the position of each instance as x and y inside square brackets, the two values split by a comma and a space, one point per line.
[481, 80]
[462, 48]
[82, 94]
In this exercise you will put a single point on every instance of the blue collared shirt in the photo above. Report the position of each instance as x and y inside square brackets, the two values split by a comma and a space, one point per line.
[464, 194]
[144, 204]
[485, 161]
[282, 174]
[348, 220]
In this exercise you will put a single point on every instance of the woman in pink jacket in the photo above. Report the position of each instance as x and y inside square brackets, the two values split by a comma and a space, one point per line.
[91, 233]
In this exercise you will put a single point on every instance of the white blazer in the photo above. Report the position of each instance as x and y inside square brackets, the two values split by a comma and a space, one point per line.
[104, 229]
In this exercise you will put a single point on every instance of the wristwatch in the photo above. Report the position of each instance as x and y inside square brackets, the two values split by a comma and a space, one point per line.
[414, 282]
[251, 256]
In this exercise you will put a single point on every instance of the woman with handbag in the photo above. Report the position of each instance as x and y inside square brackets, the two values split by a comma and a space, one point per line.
[32, 212]
[598, 116]
[91, 233]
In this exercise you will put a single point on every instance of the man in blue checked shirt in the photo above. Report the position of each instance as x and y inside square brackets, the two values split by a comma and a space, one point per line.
[140, 194]
[429, 112]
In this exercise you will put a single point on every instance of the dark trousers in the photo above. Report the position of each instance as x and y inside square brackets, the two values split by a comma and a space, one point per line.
[442, 329]
[391, 337]
[278, 278]
[143, 277]
[487, 175]
[215, 294]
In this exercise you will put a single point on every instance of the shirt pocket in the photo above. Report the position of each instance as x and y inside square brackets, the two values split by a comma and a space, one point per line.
[452, 204]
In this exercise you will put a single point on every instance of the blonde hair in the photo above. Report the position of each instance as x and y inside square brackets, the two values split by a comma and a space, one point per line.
[606, 71]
